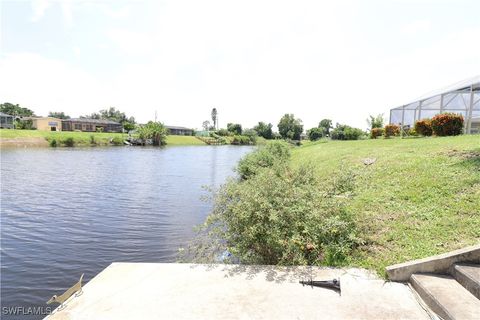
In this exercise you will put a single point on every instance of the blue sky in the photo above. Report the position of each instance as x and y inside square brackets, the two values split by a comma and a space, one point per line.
[252, 60]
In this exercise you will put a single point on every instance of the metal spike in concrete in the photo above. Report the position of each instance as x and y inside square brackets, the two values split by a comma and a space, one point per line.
[468, 275]
[446, 297]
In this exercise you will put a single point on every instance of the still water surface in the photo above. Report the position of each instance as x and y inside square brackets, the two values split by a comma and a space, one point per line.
[65, 212]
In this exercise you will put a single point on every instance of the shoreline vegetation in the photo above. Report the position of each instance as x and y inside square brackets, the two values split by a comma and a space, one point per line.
[367, 203]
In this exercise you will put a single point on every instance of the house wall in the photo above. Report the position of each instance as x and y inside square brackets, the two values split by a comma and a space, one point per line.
[46, 124]
[6, 122]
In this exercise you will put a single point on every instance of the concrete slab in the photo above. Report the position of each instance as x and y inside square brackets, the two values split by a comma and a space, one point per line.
[186, 291]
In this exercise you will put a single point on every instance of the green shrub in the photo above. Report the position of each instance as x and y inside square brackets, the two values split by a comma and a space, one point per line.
[251, 134]
[391, 130]
[423, 127]
[267, 156]
[412, 132]
[344, 132]
[447, 124]
[241, 140]
[223, 132]
[68, 142]
[376, 132]
[92, 139]
[281, 216]
[315, 134]
[53, 143]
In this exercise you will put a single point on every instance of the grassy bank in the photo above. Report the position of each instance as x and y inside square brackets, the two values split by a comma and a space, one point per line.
[33, 137]
[421, 196]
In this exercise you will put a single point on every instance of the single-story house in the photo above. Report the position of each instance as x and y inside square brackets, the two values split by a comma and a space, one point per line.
[6, 121]
[91, 125]
[179, 131]
[45, 123]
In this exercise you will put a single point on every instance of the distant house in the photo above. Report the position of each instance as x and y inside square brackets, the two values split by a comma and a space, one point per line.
[45, 123]
[91, 125]
[6, 121]
[179, 131]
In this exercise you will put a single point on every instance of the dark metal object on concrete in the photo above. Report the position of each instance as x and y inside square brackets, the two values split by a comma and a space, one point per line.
[329, 284]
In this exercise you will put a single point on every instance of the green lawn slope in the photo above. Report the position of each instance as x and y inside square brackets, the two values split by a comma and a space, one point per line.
[421, 197]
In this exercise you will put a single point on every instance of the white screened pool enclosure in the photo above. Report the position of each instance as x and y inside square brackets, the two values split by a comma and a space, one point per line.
[461, 98]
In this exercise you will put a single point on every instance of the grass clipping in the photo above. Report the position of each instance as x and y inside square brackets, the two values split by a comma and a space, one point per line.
[280, 215]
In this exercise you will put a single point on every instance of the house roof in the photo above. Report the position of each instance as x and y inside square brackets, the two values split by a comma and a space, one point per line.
[99, 121]
[177, 128]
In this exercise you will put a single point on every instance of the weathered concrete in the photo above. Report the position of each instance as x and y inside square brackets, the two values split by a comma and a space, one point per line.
[468, 275]
[185, 291]
[446, 297]
[436, 264]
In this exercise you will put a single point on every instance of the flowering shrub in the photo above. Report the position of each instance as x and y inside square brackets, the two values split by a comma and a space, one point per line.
[391, 130]
[447, 124]
[376, 132]
[424, 127]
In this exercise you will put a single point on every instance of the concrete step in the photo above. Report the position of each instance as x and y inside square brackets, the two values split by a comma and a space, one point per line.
[468, 275]
[446, 297]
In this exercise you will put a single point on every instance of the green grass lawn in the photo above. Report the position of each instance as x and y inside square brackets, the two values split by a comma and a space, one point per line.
[421, 197]
[85, 138]
[184, 140]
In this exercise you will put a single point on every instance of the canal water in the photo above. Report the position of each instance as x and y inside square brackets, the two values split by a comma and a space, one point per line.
[66, 211]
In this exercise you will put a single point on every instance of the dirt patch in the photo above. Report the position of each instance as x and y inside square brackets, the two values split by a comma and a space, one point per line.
[23, 142]
[463, 154]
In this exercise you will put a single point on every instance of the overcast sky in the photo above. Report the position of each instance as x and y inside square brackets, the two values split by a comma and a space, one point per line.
[252, 60]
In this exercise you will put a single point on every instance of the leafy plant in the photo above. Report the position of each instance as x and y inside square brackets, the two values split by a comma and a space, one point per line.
[447, 124]
[68, 142]
[376, 132]
[274, 152]
[234, 128]
[53, 143]
[117, 141]
[424, 127]
[316, 134]
[92, 139]
[155, 131]
[391, 130]
[375, 121]
[280, 216]
[264, 130]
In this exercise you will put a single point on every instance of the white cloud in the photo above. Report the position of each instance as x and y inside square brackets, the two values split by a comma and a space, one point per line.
[417, 26]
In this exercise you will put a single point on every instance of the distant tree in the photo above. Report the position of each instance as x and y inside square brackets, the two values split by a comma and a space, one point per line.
[290, 128]
[214, 118]
[315, 134]
[15, 110]
[375, 122]
[206, 125]
[234, 128]
[264, 130]
[326, 125]
[344, 132]
[94, 115]
[59, 115]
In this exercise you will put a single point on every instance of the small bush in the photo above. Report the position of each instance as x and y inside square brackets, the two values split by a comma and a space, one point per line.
[281, 216]
[251, 134]
[376, 132]
[68, 142]
[344, 132]
[223, 132]
[391, 130]
[265, 157]
[53, 143]
[412, 132]
[315, 134]
[92, 139]
[447, 124]
[423, 127]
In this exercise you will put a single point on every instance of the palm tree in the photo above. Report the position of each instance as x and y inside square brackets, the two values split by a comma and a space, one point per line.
[214, 118]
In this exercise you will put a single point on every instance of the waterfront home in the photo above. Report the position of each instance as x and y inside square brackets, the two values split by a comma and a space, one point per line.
[179, 131]
[6, 121]
[91, 125]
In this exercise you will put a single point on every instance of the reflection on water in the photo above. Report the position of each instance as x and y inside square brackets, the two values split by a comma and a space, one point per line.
[70, 211]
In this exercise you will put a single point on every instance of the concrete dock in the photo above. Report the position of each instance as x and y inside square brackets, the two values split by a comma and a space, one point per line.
[187, 291]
